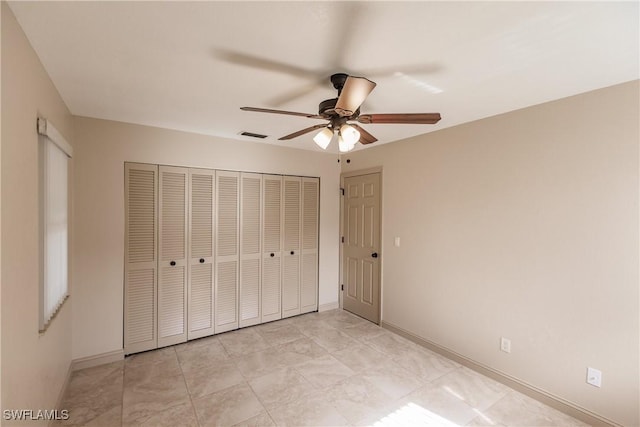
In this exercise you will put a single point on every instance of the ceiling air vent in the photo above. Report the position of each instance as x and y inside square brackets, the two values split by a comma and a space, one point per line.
[253, 135]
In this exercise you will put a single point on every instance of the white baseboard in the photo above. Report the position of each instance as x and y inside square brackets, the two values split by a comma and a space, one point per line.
[523, 387]
[328, 306]
[98, 359]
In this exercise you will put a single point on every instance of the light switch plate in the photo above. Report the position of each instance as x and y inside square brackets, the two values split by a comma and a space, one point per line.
[396, 242]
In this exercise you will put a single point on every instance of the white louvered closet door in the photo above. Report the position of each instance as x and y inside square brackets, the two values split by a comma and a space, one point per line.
[172, 247]
[140, 285]
[271, 248]
[291, 246]
[309, 260]
[250, 248]
[200, 290]
[227, 251]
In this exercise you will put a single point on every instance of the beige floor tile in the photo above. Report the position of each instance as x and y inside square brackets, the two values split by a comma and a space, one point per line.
[150, 357]
[356, 399]
[243, 341]
[476, 390]
[182, 415]
[228, 407]
[311, 328]
[281, 387]
[147, 366]
[94, 395]
[332, 340]
[392, 345]
[299, 351]
[330, 368]
[87, 417]
[401, 414]
[215, 377]
[516, 409]
[365, 331]
[425, 364]
[315, 410]
[361, 357]
[283, 334]
[257, 364]
[342, 321]
[199, 354]
[391, 378]
[441, 403]
[324, 371]
[142, 399]
[261, 420]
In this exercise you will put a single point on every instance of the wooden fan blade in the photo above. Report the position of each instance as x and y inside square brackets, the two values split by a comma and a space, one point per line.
[419, 118]
[288, 113]
[354, 92]
[365, 137]
[301, 132]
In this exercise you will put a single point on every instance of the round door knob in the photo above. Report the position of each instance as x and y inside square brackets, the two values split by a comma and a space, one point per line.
[292, 252]
[374, 255]
[201, 260]
[272, 255]
[172, 263]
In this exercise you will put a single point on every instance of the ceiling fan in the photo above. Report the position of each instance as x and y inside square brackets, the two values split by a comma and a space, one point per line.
[343, 110]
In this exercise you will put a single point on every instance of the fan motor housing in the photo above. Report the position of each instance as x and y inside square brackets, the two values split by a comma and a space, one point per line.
[326, 107]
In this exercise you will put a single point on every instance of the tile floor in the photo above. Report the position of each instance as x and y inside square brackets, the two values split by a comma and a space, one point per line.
[318, 369]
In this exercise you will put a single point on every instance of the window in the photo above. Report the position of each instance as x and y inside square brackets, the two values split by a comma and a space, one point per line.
[55, 152]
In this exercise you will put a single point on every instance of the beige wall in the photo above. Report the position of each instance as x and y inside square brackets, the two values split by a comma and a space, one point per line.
[102, 148]
[523, 225]
[34, 366]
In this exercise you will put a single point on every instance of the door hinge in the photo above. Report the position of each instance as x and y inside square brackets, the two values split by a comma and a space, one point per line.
[342, 191]
[342, 287]
[342, 239]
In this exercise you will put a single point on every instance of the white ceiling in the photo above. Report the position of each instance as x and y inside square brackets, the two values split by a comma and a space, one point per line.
[192, 65]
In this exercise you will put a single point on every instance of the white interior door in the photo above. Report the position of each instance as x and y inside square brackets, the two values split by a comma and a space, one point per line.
[271, 248]
[309, 252]
[250, 248]
[200, 286]
[172, 246]
[361, 249]
[227, 250]
[291, 255]
[141, 259]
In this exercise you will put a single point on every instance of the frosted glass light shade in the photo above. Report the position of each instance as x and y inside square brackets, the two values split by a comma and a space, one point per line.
[343, 145]
[350, 134]
[323, 138]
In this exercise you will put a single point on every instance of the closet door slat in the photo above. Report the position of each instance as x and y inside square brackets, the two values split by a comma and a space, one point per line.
[227, 251]
[201, 290]
[140, 278]
[271, 302]
[250, 248]
[291, 255]
[309, 261]
[172, 246]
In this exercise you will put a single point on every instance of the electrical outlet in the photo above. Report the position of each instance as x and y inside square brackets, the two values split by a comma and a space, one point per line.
[594, 377]
[505, 345]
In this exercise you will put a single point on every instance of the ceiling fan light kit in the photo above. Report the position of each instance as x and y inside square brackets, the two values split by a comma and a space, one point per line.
[323, 138]
[344, 146]
[352, 92]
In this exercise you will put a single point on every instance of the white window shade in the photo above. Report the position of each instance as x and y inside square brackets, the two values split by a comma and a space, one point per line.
[54, 202]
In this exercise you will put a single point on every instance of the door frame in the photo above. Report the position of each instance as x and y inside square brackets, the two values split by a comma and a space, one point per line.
[349, 174]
